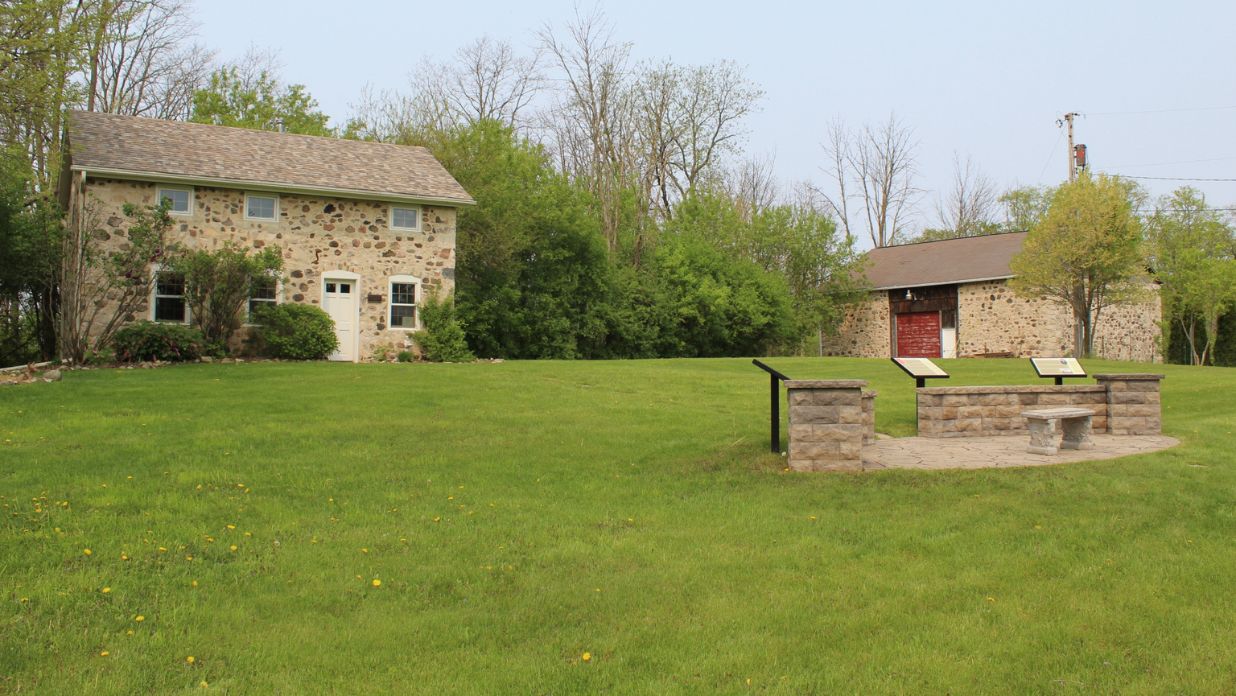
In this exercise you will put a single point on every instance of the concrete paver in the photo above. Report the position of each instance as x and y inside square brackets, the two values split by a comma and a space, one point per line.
[997, 451]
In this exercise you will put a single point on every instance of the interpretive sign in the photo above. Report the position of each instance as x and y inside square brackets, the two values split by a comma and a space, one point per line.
[920, 369]
[1059, 368]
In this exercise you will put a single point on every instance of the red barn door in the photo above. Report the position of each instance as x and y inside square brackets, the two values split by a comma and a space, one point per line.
[918, 335]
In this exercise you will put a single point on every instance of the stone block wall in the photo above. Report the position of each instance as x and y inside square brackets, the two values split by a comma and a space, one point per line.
[826, 424]
[869, 434]
[1122, 404]
[981, 411]
[316, 234]
[1133, 403]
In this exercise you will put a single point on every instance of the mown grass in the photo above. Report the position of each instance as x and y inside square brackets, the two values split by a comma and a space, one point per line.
[519, 515]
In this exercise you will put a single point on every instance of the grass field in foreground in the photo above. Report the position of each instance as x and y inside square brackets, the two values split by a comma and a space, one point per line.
[520, 515]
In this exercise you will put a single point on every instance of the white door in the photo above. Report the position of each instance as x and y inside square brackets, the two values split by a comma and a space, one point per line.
[948, 342]
[339, 301]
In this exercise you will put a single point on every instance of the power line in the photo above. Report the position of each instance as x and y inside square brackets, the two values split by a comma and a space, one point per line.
[1163, 164]
[1168, 178]
[1157, 111]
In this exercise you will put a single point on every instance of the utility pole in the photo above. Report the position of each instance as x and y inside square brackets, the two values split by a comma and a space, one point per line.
[1068, 121]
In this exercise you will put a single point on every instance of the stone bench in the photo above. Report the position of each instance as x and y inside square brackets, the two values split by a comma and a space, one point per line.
[1042, 424]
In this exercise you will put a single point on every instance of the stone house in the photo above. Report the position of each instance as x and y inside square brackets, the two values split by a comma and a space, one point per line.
[365, 229]
[952, 298]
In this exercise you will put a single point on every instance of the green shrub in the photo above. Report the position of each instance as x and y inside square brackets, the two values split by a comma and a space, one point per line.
[295, 332]
[404, 356]
[442, 339]
[148, 340]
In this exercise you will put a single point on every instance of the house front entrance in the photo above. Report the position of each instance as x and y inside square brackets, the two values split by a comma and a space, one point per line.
[340, 299]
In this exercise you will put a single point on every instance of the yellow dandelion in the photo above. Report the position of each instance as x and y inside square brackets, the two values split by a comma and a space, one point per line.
[189, 557]
[586, 657]
[139, 618]
[233, 548]
[364, 550]
[124, 556]
[162, 549]
[376, 582]
[437, 519]
[23, 600]
[106, 590]
[103, 653]
[87, 552]
[129, 632]
[991, 599]
[190, 659]
[231, 526]
[248, 534]
[203, 684]
[193, 584]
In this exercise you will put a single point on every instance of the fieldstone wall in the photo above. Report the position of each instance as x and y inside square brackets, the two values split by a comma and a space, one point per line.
[869, 433]
[1123, 405]
[827, 424]
[992, 318]
[864, 332]
[316, 234]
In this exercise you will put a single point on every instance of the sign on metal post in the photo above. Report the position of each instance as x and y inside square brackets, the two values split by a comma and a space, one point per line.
[921, 369]
[774, 388]
[1059, 368]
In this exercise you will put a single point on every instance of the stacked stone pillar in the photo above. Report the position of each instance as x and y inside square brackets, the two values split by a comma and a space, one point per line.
[869, 435]
[827, 424]
[1133, 406]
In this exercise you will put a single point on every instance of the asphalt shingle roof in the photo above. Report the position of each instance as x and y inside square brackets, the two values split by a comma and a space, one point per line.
[242, 157]
[939, 263]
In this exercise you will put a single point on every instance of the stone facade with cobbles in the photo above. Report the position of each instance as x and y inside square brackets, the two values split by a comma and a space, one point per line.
[316, 234]
[827, 424]
[992, 318]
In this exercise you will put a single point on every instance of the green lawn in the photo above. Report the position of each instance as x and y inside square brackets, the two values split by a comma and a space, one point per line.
[519, 515]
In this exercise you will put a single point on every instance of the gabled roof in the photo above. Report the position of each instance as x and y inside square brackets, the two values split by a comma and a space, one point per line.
[133, 147]
[945, 262]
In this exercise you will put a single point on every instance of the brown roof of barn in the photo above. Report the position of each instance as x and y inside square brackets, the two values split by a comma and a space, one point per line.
[240, 157]
[945, 262]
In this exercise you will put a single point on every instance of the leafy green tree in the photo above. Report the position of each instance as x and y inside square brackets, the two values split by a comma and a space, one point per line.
[1085, 253]
[218, 285]
[260, 102]
[1192, 255]
[1025, 207]
[30, 235]
[532, 268]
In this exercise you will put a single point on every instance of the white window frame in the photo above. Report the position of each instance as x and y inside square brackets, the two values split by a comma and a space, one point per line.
[391, 304]
[154, 296]
[419, 215]
[277, 301]
[274, 196]
[159, 189]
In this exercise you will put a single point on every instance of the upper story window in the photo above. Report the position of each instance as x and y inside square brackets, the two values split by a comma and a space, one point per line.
[168, 303]
[261, 207]
[180, 200]
[405, 218]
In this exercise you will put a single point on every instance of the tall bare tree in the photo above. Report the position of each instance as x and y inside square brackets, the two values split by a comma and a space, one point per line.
[592, 122]
[142, 63]
[874, 166]
[968, 208]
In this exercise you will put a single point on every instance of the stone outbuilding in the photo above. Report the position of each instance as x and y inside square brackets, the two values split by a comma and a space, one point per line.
[952, 298]
[365, 229]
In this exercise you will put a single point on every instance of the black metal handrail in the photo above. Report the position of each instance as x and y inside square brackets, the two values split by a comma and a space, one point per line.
[774, 377]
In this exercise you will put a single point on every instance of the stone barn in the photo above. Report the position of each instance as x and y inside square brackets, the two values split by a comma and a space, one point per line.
[952, 298]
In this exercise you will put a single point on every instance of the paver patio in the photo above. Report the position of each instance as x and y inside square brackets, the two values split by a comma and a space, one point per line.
[997, 451]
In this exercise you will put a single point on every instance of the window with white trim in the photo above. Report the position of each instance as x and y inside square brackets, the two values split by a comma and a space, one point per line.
[261, 207]
[264, 291]
[180, 200]
[168, 303]
[405, 218]
[402, 311]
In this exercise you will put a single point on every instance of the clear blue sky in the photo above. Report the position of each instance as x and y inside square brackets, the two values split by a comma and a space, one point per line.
[984, 79]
